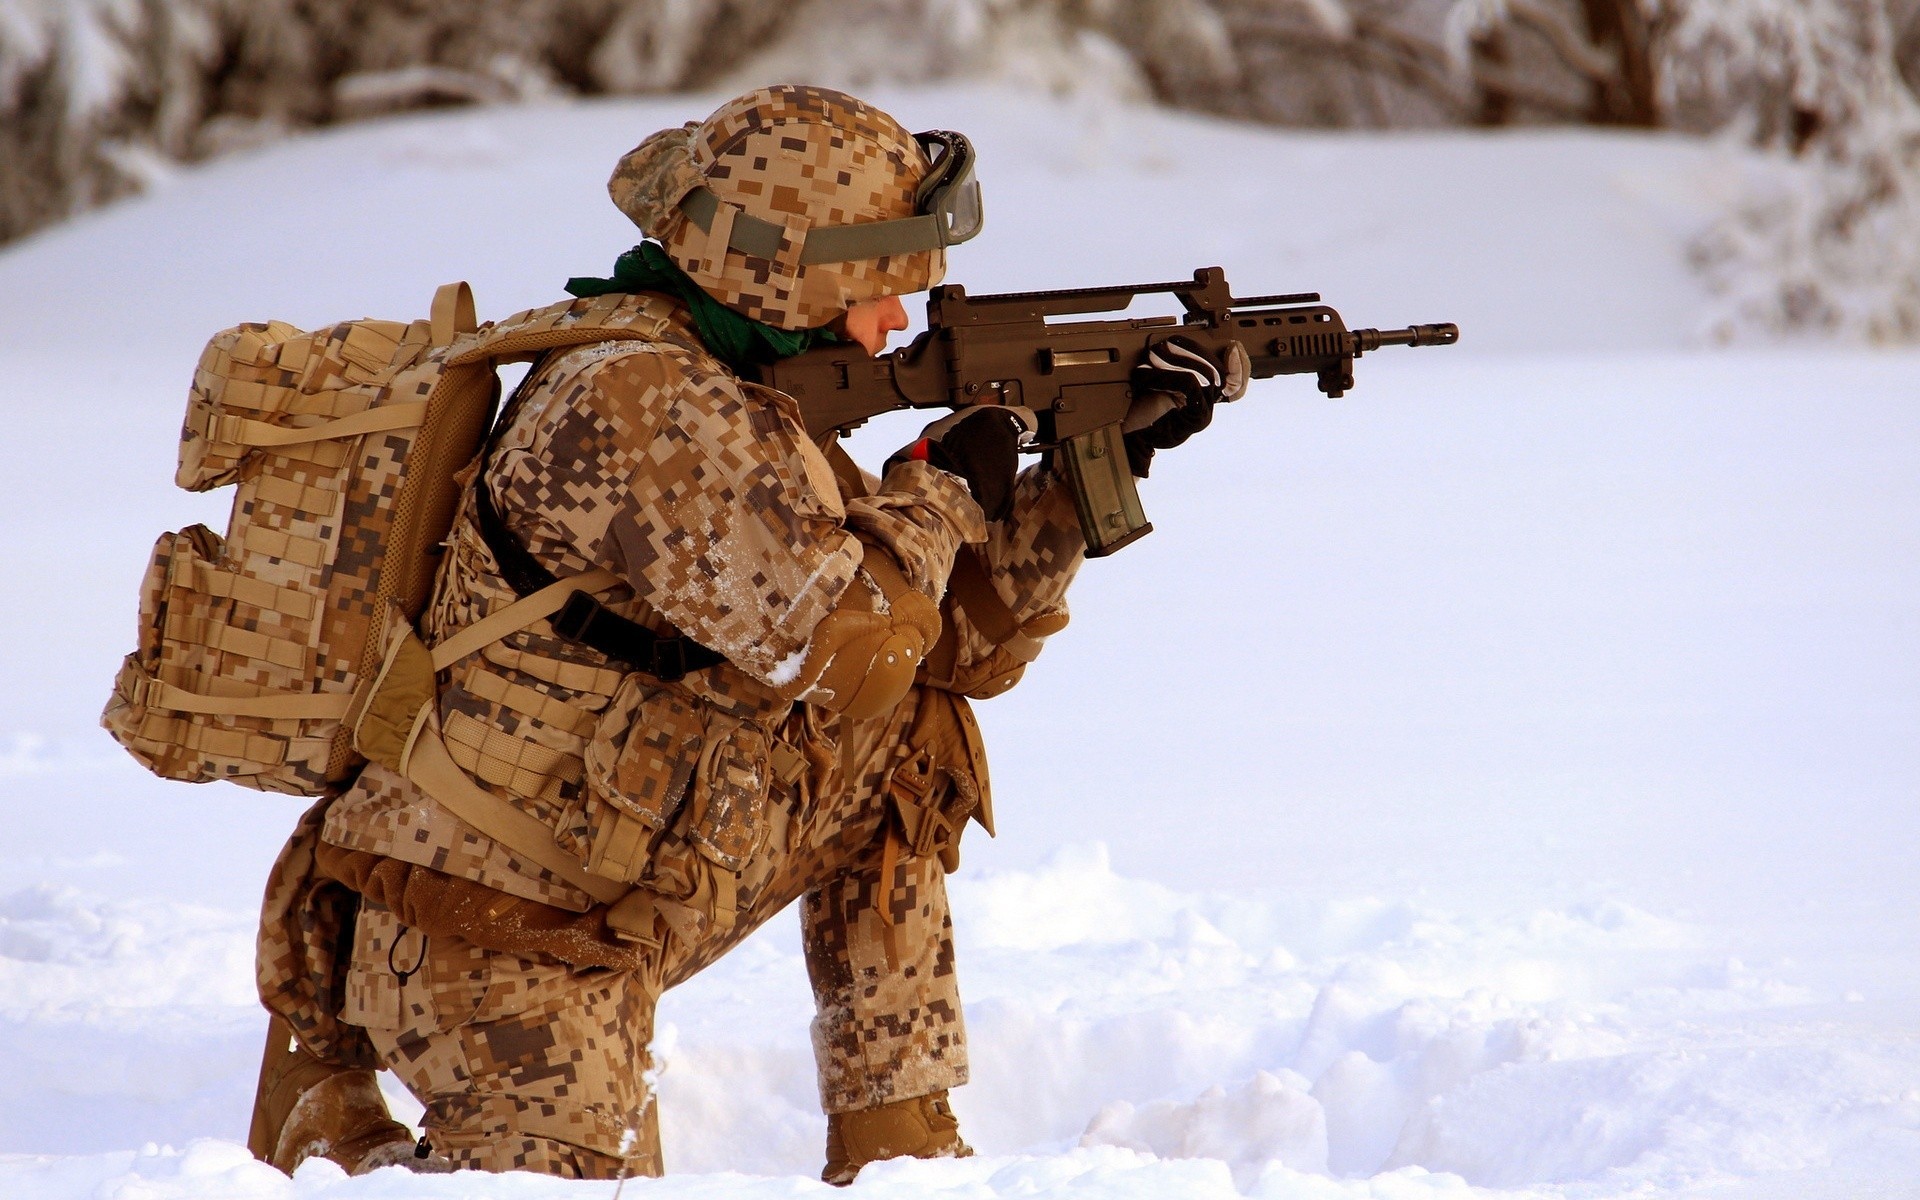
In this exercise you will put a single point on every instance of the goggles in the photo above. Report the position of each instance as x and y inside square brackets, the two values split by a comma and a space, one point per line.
[949, 194]
[946, 205]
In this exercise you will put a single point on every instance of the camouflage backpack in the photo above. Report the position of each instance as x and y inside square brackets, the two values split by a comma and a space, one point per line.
[345, 445]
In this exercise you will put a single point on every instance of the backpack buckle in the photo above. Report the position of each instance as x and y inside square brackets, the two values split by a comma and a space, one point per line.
[669, 659]
[575, 617]
[587, 621]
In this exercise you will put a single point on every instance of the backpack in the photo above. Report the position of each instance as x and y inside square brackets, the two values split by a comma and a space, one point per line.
[347, 447]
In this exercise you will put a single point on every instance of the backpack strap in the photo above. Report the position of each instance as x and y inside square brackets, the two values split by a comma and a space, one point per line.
[243, 432]
[431, 767]
[518, 615]
[578, 617]
[453, 313]
[581, 618]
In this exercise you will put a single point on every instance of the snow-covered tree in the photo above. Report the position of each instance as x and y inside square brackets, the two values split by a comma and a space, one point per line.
[96, 95]
[1830, 242]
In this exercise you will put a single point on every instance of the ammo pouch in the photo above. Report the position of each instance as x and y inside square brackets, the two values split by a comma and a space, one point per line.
[676, 793]
[394, 721]
[677, 801]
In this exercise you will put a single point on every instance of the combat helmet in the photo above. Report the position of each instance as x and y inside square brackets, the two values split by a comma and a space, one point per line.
[790, 204]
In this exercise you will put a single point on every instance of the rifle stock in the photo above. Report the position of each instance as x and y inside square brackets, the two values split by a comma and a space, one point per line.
[1077, 375]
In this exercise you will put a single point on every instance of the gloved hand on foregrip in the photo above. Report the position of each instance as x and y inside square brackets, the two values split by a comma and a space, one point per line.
[1176, 389]
[980, 444]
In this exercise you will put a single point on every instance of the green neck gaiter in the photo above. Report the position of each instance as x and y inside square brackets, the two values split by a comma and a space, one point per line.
[738, 341]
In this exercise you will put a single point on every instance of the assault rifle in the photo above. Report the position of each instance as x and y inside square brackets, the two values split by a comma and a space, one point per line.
[1076, 376]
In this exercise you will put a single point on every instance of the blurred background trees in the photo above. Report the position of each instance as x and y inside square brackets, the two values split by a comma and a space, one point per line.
[96, 96]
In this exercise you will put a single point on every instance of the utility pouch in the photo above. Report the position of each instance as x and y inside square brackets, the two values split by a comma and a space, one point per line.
[212, 690]
[399, 974]
[728, 820]
[640, 762]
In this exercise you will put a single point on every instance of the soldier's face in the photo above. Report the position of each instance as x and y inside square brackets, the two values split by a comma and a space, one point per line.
[870, 321]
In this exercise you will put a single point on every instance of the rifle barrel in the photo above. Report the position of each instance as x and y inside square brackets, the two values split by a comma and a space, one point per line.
[1412, 335]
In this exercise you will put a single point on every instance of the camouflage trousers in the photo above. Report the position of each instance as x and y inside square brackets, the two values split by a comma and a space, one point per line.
[530, 1064]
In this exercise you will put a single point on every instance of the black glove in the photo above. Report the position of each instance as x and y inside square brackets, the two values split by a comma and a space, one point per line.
[1177, 388]
[980, 444]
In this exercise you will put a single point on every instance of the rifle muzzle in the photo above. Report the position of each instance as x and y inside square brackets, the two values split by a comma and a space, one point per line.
[1413, 335]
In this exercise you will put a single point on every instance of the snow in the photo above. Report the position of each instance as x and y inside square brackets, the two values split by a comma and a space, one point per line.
[1497, 783]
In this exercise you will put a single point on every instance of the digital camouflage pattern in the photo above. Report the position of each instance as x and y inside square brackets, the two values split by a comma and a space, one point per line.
[528, 1063]
[797, 157]
[723, 800]
[344, 445]
[1031, 558]
[878, 939]
[522, 1065]
[283, 605]
[300, 960]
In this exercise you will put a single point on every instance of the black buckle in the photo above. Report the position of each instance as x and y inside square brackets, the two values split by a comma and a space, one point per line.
[585, 620]
[575, 617]
[669, 659]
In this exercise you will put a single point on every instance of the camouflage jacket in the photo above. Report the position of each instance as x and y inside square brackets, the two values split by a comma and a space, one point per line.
[703, 494]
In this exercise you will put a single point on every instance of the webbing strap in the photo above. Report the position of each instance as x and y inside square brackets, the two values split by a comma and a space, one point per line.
[305, 705]
[544, 707]
[215, 634]
[434, 770]
[453, 313]
[824, 243]
[581, 618]
[507, 760]
[517, 616]
[522, 343]
[241, 431]
[256, 750]
[212, 580]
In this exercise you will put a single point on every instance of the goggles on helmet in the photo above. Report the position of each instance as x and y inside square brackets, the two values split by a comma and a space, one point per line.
[949, 194]
[947, 212]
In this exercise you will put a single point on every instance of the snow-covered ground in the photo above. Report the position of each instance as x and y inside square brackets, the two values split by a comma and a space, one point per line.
[1499, 782]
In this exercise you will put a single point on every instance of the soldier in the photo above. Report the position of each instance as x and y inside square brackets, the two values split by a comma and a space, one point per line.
[768, 704]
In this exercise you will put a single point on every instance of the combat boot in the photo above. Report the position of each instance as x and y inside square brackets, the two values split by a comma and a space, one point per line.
[305, 1108]
[923, 1127]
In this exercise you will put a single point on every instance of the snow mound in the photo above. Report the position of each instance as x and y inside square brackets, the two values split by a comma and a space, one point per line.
[1272, 1120]
[1207, 1044]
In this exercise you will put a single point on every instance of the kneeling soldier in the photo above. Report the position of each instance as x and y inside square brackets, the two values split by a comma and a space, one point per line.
[766, 704]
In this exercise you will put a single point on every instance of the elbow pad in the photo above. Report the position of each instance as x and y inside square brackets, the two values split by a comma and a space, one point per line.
[863, 655]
